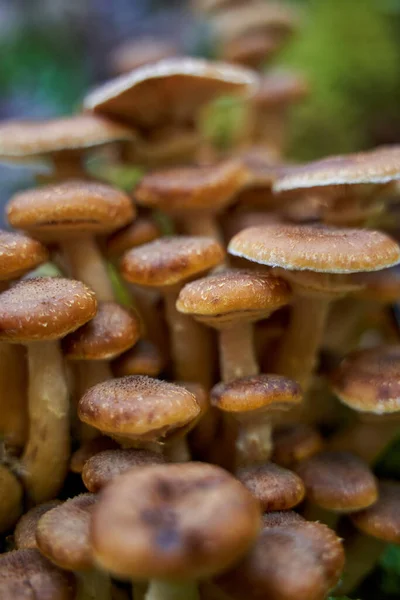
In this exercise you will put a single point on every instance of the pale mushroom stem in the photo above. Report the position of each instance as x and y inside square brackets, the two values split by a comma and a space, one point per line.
[298, 352]
[87, 265]
[68, 165]
[362, 554]
[93, 585]
[237, 353]
[13, 396]
[91, 373]
[367, 440]
[166, 590]
[190, 343]
[203, 224]
[178, 451]
[44, 463]
[254, 442]
[272, 129]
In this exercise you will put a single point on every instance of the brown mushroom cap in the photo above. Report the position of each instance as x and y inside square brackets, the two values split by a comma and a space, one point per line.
[142, 231]
[377, 166]
[105, 466]
[137, 407]
[29, 139]
[69, 208]
[292, 559]
[251, 49]
[63, 534]
[316, 248]
[278, 88]
[19, 254]
[137, 53]
[46, 308]
[294, 442]
[26, 574]
[368, 380]
[25, 530]
[170, 260]
[382, 520]
[234, 295]
[110, 333]
[338, 481]
[280, 518]
[88, 449]
[143, 359]
[274, 487]
[379, 286]
[173, 521]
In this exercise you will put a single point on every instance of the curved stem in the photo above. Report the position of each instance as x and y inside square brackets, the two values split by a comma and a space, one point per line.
[13, 396]
[237, 353]
[166, 590]
[254, 443]
[362, 555]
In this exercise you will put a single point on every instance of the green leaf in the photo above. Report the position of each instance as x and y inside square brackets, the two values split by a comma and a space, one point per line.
[124, 177]
[121, 292]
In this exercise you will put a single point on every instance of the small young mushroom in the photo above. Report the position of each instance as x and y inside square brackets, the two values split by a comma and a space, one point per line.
[63, 536]
[139, 52]
[88, 449]
[173, 524]
[38, 313]
[25, 529]
[142, 231]
[167, 264]
[295, 442]
[143, 359]
[11, 499]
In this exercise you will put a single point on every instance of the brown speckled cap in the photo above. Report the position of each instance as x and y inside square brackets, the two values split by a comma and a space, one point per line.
[379, 286]
[63, 533]
[137, 407]
[382, 520]
[26, 574]
[291, 559]
[143, 359]
[46, 308]
[70, 208]
[316, 248]
[88, 449]
[25, 530]
[281, 518]
[110, 333]
[180, 521]
[338, 481]
[295, 442]
[274, 487]
[368, 380]
[139, 52]
[233, 295]
[19, 254]
[170, 260]
[105, 466]
[142, 231]
[21, 140]
[278, 88]
[210, 188]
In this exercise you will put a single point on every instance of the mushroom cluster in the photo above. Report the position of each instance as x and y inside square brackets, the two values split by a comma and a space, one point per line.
[165, 397]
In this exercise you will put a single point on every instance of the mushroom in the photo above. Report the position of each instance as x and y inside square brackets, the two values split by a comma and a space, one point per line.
[231, 301]
[295, 442]
[11, 499]
[166, 264]
[172, 524]
[37, 313]
[143, 359]
[139, 52]
[63, 537]
[88, 449]
[25, 529]
[252, 49]
[316, 260]
[142, 231]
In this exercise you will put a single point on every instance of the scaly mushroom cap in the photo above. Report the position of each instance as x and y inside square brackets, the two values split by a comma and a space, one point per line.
[46, 308]
[379, 286]
[88, 449]
[143, 359]
[338, 481]
[233, 295]
[316, 248]
[180, 521]
[382, 520]
[281, 518]
[169, 91]
[105, 466]
[274, 487]
[19, 254]
[26, 574]
[368, 380]
[25, 530]
[377, 166]
[170, 260]
[140, 52]
[69, 208]
[142, 231]
[110, 333]
[279, 88]
[63, 533]
[292, 558]
[294, 443]
[209, 188]
[137, 407]
[22, 140]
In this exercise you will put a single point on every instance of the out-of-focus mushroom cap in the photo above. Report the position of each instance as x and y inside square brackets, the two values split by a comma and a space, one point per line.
[256, 393]
[280, 518]
[295, 442]
[102, 468]
[140, 52]
[380, 286]
[262, 165]
[239, 220]
[338, 481]
[306, 209]
[25, 530]
[251, 49]
[274, 487]
[26, 574]
[110, 333]
[382, 520]
[63, 533]
[137, 407]
[88, 449]
[368, 380]
[171, 90]
[170, 260]
[46, 308]
[209, 188]
[203, 402]
[181, 521]
[279, 88]
[233, 295]
[19, 254]
[69, 208]
[215, 5]
[316, 248]
[377, 166]
[296, 559]
[142, 231]
[143, 359]
[22, 140]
